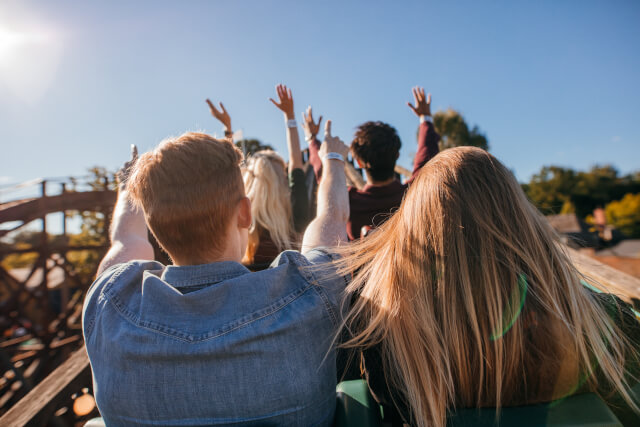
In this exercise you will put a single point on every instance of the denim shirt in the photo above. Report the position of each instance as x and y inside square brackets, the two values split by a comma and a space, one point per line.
[215, 344]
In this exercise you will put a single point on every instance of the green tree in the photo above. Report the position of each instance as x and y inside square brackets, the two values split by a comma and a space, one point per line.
[556, 189]
[551, 188]
[252, 145]
[455, 132]
[624, 214]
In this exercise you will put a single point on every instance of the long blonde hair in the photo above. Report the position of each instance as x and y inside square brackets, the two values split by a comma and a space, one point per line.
[266, 185]
[472, 300]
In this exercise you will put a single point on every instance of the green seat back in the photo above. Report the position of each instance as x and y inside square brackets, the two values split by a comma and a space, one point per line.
[355, 407]
[578, 410]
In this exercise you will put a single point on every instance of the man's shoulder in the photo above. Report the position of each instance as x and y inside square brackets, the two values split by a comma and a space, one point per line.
[316, 266]
[124, 277]
[125, 273]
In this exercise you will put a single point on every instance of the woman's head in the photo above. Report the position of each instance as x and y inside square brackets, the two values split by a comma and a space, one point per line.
[454, 284]
[266, 185]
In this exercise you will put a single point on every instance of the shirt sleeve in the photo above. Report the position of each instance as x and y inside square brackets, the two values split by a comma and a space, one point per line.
[314, 158]
[92, 299]
[299, 199]
[324, 272]
[428, 140]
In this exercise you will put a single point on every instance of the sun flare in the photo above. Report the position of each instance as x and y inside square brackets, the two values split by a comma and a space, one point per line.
[11, 42]
[29, 57]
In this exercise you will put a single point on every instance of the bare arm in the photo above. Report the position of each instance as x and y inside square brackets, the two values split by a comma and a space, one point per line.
[128, 228]
[293, 139]
[329, 228]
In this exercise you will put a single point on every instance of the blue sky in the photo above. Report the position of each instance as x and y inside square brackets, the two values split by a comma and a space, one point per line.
[549, 82]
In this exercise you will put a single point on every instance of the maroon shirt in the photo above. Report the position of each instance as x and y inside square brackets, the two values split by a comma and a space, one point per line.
[374, 204]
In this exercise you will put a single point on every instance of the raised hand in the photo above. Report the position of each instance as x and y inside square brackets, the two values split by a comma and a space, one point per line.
[423, 105]
[332, 144]
[286, 101]
[124, 172]
[221, 115]
[311, 128]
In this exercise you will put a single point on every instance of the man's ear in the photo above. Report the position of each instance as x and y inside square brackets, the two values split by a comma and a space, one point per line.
[244, 213]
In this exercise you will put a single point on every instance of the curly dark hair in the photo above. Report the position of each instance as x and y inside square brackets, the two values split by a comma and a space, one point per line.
[377, 146]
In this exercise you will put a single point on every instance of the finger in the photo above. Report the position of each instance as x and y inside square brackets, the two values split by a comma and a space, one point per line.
[289, 92]
[304, 117]
[274, 102]
[420, 94]
[211, 107]
[415, 96]
[412, 107]
[310, 115]
[327, 129]
[134, 152]
[429, 99]
[222, 108]
[319, 120]
[279, 91]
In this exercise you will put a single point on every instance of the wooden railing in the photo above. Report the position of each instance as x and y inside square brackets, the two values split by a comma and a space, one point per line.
[606, 278]
[37, 406]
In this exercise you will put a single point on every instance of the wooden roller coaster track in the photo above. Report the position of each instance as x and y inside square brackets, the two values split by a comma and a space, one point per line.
[40, 306]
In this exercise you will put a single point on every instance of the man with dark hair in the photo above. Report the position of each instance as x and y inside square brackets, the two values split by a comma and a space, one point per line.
[376, 147]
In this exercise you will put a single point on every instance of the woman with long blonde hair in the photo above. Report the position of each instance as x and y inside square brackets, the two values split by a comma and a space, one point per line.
[272, 230]
[278, 192]
[465, 298]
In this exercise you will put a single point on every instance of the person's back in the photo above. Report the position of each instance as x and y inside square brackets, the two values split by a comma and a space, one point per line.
[214, 344]
[465, 298]
[205, 341]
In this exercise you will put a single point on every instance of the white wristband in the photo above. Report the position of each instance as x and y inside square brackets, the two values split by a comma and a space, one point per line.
[334, 156]
[292, 123]
[424, 118]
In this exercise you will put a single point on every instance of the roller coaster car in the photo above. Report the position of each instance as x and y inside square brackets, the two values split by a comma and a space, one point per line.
[357, 408]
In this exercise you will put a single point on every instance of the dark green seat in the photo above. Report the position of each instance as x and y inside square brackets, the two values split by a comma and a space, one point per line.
[355, 407]
[578, 410]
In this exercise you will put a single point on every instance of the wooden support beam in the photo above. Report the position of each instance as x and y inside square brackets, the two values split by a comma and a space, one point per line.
[43, 400]
[606, 278]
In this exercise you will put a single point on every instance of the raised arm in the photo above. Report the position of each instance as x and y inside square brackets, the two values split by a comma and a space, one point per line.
[329, 228]
[311, 130]
[128, 227]
[427, 136]
[293, 139]
[223, 117]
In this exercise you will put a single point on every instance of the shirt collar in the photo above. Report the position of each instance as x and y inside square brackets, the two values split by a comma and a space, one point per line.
[192, 275]
[393, 186]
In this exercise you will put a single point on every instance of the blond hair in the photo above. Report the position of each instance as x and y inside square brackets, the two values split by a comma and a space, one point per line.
[265, 181]
[452, 287]
[188, 188]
